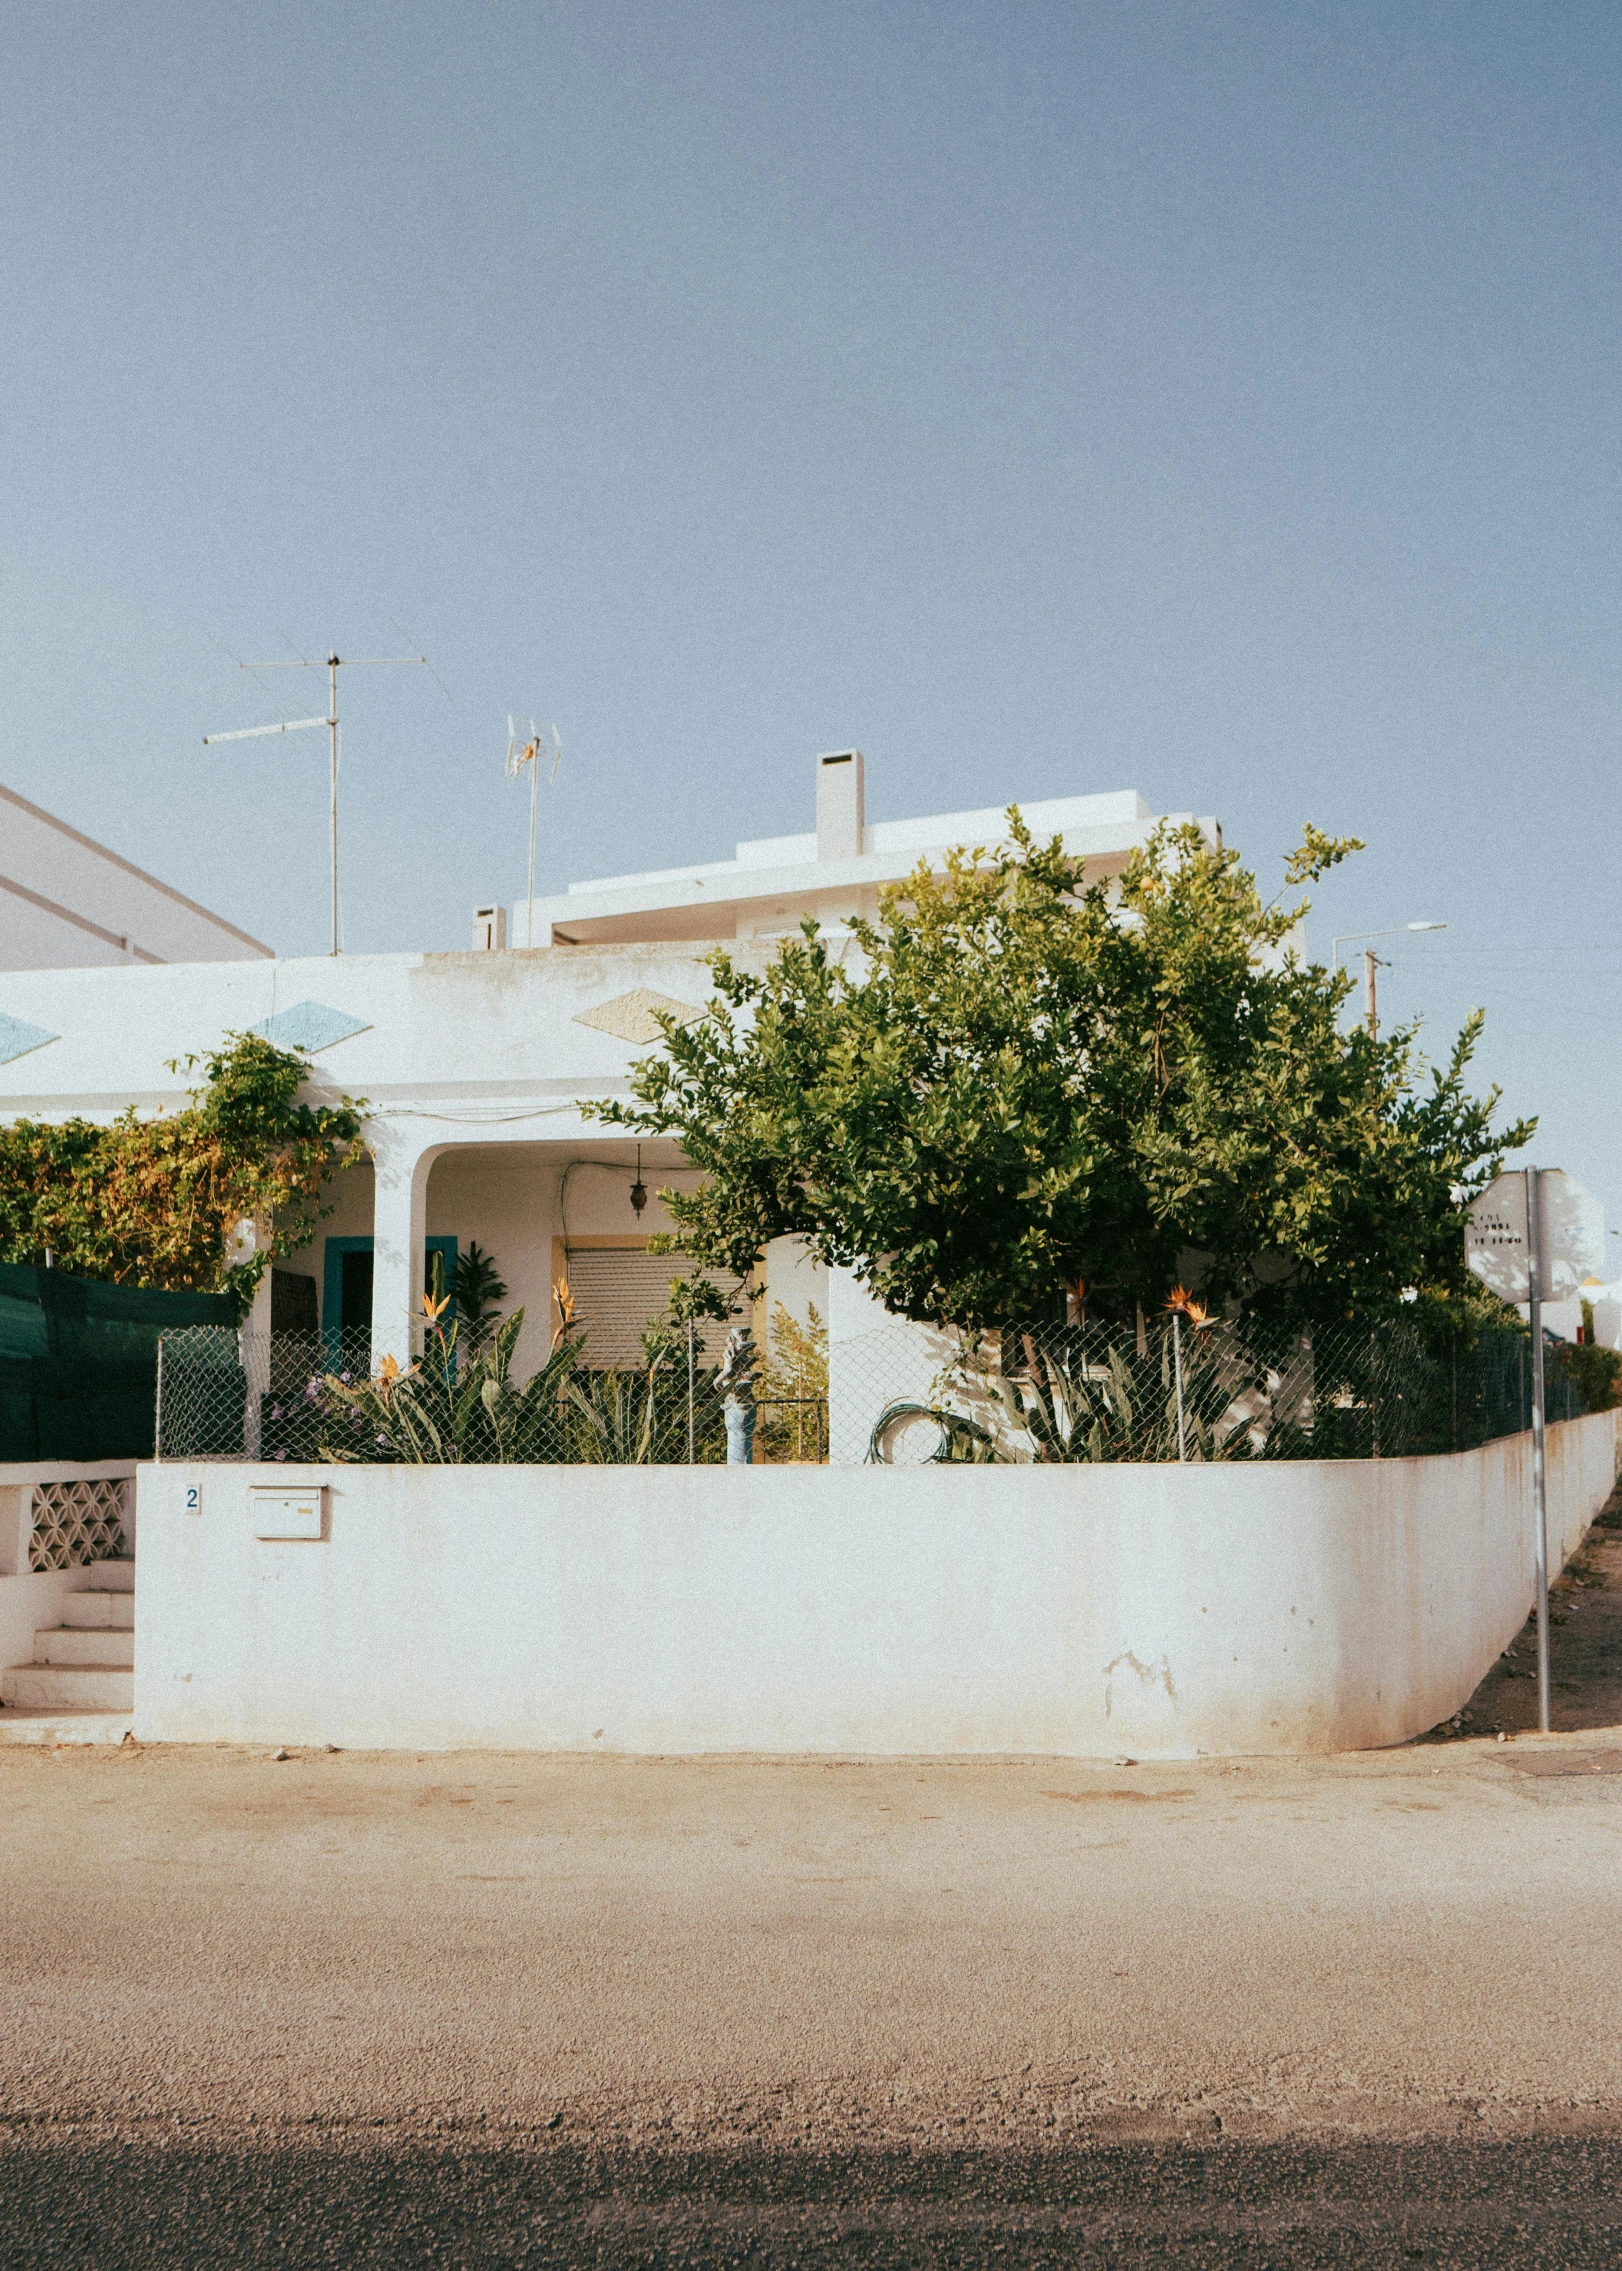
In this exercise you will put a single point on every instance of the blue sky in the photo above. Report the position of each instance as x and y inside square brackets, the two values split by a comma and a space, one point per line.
[1215, 400]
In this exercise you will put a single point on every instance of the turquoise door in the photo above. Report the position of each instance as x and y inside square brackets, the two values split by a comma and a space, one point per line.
[346, 1290]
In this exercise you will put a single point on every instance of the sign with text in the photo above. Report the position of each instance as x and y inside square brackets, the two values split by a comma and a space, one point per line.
[1571, 1222]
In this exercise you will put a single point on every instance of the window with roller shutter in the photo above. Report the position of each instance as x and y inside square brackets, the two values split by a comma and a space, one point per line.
[618, 1294]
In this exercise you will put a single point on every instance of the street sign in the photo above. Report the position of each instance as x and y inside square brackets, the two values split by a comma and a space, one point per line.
[1571, 1246]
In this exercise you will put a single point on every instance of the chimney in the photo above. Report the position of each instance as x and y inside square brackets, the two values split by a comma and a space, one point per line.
[489, 929]
[839, 805]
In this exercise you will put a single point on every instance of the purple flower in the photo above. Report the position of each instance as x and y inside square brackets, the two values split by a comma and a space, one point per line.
[344, 1377]
[275, 1411]
[280, 1454]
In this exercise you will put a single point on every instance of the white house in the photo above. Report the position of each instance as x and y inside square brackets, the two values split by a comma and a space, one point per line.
[1162, 1609]
[67, 902]
[475, 1065]
[837, 871]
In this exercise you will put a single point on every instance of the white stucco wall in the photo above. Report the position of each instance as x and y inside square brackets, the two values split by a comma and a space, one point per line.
[1156, 1610]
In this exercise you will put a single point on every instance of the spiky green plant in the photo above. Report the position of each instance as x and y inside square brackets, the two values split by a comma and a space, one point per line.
[617, 1417]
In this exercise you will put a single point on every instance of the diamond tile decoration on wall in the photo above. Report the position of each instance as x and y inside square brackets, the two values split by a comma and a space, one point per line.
[75, 1524]
[309, 1026]
[630, 1017]
[18, 1037]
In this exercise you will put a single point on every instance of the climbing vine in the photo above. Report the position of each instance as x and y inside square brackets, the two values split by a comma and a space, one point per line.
[157, 1201]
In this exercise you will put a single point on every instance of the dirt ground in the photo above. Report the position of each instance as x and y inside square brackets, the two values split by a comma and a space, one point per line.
[1585, 1651]
[487, 2008]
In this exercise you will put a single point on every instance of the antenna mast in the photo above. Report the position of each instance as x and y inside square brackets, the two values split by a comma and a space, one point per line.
[530, 754]
[333, 665]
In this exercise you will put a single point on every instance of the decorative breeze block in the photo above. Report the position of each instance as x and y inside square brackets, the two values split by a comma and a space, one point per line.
[76, 1523]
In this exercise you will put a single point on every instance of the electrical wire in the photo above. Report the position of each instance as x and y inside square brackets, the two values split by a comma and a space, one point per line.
[608, 1166]
[471, 1119]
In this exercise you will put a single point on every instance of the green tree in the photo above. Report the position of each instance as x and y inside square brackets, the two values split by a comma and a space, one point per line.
[1026, 1082]
[156, 1201]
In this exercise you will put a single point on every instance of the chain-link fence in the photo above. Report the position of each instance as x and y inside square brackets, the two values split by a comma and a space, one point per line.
[224, 1395]
[1175, 1389]
[901, 1395]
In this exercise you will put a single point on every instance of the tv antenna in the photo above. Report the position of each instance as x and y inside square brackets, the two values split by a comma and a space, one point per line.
[519, 755]
[332, 666]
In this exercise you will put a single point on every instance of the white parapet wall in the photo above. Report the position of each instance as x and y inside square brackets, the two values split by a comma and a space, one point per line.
[1157, 1611]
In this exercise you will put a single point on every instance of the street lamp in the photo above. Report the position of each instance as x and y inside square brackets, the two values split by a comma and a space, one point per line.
[1372, 962]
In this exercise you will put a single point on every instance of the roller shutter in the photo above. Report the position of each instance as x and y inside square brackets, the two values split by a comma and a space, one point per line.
[618, 1294]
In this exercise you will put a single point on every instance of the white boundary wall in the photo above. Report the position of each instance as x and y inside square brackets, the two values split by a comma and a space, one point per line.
[1090, 1611]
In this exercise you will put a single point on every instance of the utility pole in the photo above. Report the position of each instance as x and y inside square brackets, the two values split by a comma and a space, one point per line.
[1371, 963]
[332, 666]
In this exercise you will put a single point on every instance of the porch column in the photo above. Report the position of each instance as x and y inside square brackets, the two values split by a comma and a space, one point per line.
[399, 1229]
[253, 1335]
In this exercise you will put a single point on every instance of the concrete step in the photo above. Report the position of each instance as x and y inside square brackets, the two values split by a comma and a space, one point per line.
[114, 1576]
[59, 1687]
[76, 1724]
[63, 1645]
[97, 1611]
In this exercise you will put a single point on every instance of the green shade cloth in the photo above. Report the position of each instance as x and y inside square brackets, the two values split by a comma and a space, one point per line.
[79, 1362]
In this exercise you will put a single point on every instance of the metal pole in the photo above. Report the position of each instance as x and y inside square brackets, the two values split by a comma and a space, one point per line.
[529, 918]
[1540, 1520]
[332, 721]
[1374, 1402]
[1371, 962]
[157, 1416]
[691, 1438]
[1177, 1359]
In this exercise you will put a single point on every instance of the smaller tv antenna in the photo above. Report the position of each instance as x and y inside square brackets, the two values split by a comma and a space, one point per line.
[519, 755]
[297, 725]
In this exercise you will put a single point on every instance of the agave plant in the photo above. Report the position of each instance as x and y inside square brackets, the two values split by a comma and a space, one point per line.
[1070, 1413]
[617, 1417]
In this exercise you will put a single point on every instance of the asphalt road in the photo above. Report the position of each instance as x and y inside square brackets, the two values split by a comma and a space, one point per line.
[1543, 2205]
[489, 2009]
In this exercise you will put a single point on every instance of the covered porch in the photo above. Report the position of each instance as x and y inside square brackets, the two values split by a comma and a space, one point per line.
[548, 1209]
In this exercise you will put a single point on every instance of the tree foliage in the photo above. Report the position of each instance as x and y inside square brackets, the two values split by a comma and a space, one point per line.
[157, 1201]
[1023, 1083]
